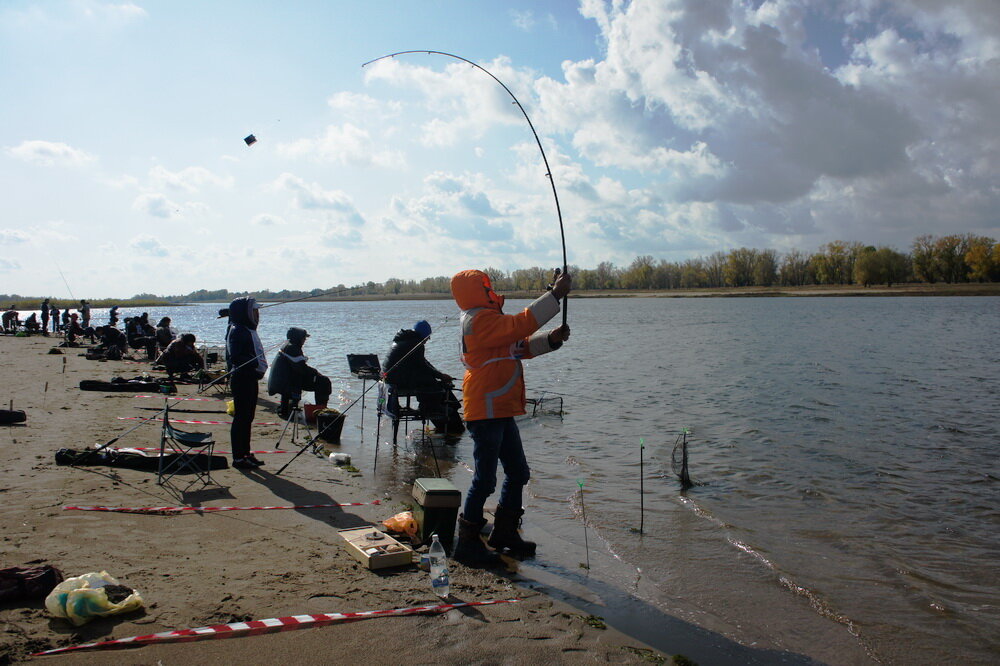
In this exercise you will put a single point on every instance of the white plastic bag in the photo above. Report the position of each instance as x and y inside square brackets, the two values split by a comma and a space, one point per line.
[82, 598]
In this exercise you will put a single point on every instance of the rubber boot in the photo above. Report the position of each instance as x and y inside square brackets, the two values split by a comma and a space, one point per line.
[505, 534]
[470, 549]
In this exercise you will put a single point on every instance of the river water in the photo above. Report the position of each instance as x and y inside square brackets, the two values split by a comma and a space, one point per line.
[845, 454]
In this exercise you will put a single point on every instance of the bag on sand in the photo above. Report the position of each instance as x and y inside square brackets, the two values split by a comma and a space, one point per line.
[23, 583]
[82, 598]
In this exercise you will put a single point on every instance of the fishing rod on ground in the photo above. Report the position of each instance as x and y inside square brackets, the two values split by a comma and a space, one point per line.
[340, 417]
[545, 160]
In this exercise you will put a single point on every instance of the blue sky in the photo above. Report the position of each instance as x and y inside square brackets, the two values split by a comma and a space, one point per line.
[675, 128]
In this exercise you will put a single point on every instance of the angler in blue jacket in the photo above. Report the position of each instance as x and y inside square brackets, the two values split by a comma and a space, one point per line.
[247, 365]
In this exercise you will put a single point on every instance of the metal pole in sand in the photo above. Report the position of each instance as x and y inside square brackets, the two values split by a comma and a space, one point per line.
[583, 511]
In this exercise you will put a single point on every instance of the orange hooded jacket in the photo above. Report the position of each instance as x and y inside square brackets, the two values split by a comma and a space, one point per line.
[493, 345]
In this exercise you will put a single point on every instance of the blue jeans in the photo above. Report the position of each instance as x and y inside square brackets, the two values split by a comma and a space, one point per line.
[496, 440]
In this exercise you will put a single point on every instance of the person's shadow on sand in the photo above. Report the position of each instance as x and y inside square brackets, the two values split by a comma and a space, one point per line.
[300, 495]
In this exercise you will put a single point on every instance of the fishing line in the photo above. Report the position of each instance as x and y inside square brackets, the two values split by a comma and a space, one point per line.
[62, 276]
[548, 170]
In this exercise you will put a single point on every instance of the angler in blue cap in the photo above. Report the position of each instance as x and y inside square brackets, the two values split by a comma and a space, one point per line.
[410, 373]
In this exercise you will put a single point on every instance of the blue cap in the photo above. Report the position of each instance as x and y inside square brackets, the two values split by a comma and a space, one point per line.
[423, 328]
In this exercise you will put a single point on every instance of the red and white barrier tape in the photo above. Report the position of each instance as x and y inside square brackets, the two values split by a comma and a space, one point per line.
[270, 625]
[200, 509]
[174, 399]
[156, 448]
[157, 420]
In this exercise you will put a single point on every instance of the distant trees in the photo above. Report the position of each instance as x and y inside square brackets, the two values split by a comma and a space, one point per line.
[955, 258]
[951, 259]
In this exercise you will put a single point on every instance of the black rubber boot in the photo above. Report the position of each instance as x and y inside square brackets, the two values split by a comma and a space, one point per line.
[470, 549]
[505, 534]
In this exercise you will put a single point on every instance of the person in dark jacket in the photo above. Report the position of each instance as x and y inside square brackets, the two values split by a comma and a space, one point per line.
[181, 356]
[84, 314]
[31, 323]
[114, 344]
[113, 316]
[141, 335]
[164, 334]
[54, 316]
[409, 372]
[45, 317]
[247, 365]
[290, 374]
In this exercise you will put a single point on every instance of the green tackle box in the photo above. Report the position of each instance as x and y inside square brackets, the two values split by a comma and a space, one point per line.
[436, 509]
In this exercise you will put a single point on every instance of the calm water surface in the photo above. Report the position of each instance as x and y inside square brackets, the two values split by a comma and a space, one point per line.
[845, 450]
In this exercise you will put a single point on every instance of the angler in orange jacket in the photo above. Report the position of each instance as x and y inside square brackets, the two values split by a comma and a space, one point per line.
[493, 346]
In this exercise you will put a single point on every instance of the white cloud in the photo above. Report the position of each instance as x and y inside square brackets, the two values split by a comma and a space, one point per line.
[50, 153]
[267, 220]
[312, 197]
[8, 265]
[189, 180]
[523, 20]
[156, 204]
[148, 246]
[344, 144]
[13, 237]
[362, 106]
[119, 12]
[463, 99]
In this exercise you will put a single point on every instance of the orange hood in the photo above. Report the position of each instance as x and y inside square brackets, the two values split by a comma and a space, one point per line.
[472, 289]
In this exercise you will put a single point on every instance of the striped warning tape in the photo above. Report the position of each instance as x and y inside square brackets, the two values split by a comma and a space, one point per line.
[172, 399]
[156, 448]
[156, 420]
[270, 625]
[200, 509]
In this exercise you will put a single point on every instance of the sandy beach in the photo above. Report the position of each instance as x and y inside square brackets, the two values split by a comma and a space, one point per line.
[209, 568]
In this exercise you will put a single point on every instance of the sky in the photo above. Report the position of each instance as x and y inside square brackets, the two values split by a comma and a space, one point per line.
[673, 128]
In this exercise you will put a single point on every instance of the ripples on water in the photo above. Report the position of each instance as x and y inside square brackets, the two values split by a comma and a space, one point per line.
[846, 450]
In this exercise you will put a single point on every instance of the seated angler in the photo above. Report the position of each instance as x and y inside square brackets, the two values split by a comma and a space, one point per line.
[10, 320]
[113, 342]
[290, 375]
[31, 323]
[164, 334]
[73, 329]
[409, 372]
[141, 335]
[181, 356]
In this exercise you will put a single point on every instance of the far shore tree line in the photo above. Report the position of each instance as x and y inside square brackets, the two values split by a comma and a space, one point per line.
[949, 259]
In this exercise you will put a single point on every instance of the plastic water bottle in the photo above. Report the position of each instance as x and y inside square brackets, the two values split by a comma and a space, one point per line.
[439, 568]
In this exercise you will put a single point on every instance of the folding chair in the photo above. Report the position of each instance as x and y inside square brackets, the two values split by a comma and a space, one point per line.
[389, 404]
[189, 451]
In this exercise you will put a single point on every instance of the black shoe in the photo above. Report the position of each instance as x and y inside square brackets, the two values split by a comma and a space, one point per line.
[470, 549]
[243, 463]
[253, 459]
[505, 535]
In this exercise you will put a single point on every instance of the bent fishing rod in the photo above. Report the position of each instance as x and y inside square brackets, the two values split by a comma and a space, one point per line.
[548, 170]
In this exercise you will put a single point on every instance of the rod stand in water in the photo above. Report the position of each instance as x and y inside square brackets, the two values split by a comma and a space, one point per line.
[679, 459]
